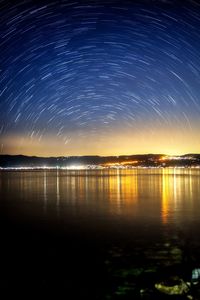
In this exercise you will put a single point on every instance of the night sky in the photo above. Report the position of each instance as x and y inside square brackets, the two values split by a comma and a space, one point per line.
[99, 77]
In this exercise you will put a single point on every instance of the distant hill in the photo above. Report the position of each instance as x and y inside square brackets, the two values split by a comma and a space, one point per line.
[136, 160]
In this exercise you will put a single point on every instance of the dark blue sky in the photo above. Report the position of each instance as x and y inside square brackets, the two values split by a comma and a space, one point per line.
[99, 77]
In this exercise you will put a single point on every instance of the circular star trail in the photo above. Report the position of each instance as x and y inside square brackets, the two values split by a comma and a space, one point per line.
[99, 77]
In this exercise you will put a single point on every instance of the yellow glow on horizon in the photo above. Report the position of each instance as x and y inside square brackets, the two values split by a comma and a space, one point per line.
[163, 141]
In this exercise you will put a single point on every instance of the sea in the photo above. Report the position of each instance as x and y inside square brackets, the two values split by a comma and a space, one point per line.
[98, 234]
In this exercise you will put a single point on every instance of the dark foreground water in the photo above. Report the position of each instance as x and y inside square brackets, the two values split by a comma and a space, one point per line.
[97, 234]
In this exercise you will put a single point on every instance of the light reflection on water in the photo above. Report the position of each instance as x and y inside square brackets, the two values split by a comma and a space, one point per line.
[100, 225]
[180, 190]
[154, 195]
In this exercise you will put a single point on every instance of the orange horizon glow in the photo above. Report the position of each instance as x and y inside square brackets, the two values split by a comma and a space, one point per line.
[117, 141]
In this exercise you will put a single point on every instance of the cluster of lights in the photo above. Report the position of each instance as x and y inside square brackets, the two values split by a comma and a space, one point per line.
[71, 167]
[90, 167]
[121, 164]
[163, 158]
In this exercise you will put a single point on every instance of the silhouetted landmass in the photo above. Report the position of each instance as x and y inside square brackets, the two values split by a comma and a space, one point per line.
[148, 160]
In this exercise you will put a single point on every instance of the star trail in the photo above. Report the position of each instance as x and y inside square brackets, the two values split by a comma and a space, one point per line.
[99, 77]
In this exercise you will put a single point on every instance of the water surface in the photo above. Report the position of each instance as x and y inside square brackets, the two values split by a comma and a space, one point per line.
[95, 223]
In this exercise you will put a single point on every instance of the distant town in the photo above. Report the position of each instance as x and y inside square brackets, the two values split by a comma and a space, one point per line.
[21, 162]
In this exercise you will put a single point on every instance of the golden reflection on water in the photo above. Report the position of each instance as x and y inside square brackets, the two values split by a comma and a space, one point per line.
[164, 198]
[162, 195]
[123, 189]
[171, 191]
[177, 192]
[45, 191]
[58, 192]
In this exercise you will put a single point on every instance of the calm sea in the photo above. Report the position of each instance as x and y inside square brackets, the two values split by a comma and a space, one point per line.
[93, 233]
